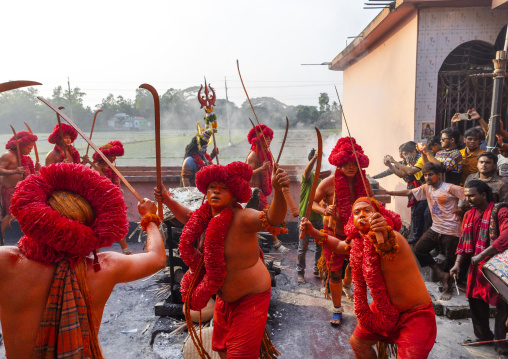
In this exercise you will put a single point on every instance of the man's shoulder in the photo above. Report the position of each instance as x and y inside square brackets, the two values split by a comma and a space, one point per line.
[8, 155]
[463, 152]
[9, 257]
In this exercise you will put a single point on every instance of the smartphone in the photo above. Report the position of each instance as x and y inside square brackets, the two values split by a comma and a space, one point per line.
[464, 116]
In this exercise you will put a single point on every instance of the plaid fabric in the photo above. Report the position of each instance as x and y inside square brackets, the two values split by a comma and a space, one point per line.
[467, 242]
[451, 159]
[64, 329]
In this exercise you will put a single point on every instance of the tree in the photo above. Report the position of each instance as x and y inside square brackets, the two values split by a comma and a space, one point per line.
[323, 102]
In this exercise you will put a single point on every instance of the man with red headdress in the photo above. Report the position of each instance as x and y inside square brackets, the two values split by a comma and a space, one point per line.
[339, 192]
[381, 260]
[230, 264]
[111, 150]
[261, 162]
[57, 154]
[12, 172]
[52, 294]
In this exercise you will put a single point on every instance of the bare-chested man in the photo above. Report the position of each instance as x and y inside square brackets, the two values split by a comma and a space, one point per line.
[52, 257]
[261, 169]
[234, 268]
[401, 310]
[57, 154]
[12, 172]
[339, 192]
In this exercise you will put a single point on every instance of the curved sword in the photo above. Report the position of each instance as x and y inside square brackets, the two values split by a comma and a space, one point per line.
[69, 121]
[91, 131]
[284, 140]
[157, 112]
[12, 85]
[316, 178]
[35, 145]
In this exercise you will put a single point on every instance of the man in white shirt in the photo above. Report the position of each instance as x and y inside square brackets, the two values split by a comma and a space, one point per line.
[445, 230]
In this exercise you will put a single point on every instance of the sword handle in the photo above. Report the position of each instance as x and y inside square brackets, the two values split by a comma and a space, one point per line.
[290, 201]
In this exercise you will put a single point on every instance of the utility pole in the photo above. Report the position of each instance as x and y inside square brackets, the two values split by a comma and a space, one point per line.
[70, 103]
[227, 112]
[497, 94]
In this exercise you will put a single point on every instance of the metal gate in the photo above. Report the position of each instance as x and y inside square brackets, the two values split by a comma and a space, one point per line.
[458, 92]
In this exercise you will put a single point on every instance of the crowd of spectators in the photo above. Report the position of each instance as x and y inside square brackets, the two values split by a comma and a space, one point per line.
[457, 191]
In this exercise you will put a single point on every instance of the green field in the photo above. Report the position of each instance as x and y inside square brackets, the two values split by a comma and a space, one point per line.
[140, 145]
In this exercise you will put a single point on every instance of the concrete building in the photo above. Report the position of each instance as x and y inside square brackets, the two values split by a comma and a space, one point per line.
[408, 72]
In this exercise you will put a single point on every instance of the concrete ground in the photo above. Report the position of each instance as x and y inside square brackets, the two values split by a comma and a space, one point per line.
[298, 322]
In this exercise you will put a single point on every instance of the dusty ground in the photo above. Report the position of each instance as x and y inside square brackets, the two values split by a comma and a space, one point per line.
[298, 322]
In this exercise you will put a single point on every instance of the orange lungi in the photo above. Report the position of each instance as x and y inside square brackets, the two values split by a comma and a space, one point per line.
[238, 327]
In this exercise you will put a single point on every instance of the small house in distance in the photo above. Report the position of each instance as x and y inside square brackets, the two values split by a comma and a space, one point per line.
[408, 72]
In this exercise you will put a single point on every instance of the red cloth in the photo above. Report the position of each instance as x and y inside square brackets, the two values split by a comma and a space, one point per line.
[337, 259]
[414, 333]
[7, 193]
[263, 203]
[238, 327]
[477, 286]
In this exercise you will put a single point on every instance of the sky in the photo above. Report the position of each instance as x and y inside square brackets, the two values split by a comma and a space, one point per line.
[113, 46]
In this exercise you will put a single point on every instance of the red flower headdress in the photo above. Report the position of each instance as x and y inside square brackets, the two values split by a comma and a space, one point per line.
[66, 129]
[266, 184]
[366, 272]
[236, 177]
[24, 138]
[113, 148]
[341, 155]
[51, 237]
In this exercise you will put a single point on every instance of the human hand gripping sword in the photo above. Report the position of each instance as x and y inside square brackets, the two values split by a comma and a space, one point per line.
[316, 178]
[99, 152]
[285, 190]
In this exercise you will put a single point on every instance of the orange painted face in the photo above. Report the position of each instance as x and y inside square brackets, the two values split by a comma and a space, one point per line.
[430, 177]
[219, 196]
[27, 149]
[361, 216]
[350, 169]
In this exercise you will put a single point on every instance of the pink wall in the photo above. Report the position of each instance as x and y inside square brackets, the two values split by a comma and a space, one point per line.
[379, 101]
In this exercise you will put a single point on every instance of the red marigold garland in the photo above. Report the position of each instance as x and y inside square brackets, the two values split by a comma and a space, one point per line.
[109, 173]
[366, 272]
[51, 237]
[199, 161]
[343, 195]
[74, 153]
[269, 228]
[28, 165]
[211, 278]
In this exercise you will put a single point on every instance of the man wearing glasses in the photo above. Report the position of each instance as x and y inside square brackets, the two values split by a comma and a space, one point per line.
[449, 155]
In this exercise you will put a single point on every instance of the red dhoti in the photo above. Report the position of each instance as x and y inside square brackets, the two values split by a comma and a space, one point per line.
[414, 334]
[6, 193]
[337, 260]
[238, 327]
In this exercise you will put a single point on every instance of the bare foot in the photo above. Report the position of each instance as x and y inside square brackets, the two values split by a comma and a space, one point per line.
[336, 319]
[300, 278]
[447, 291]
